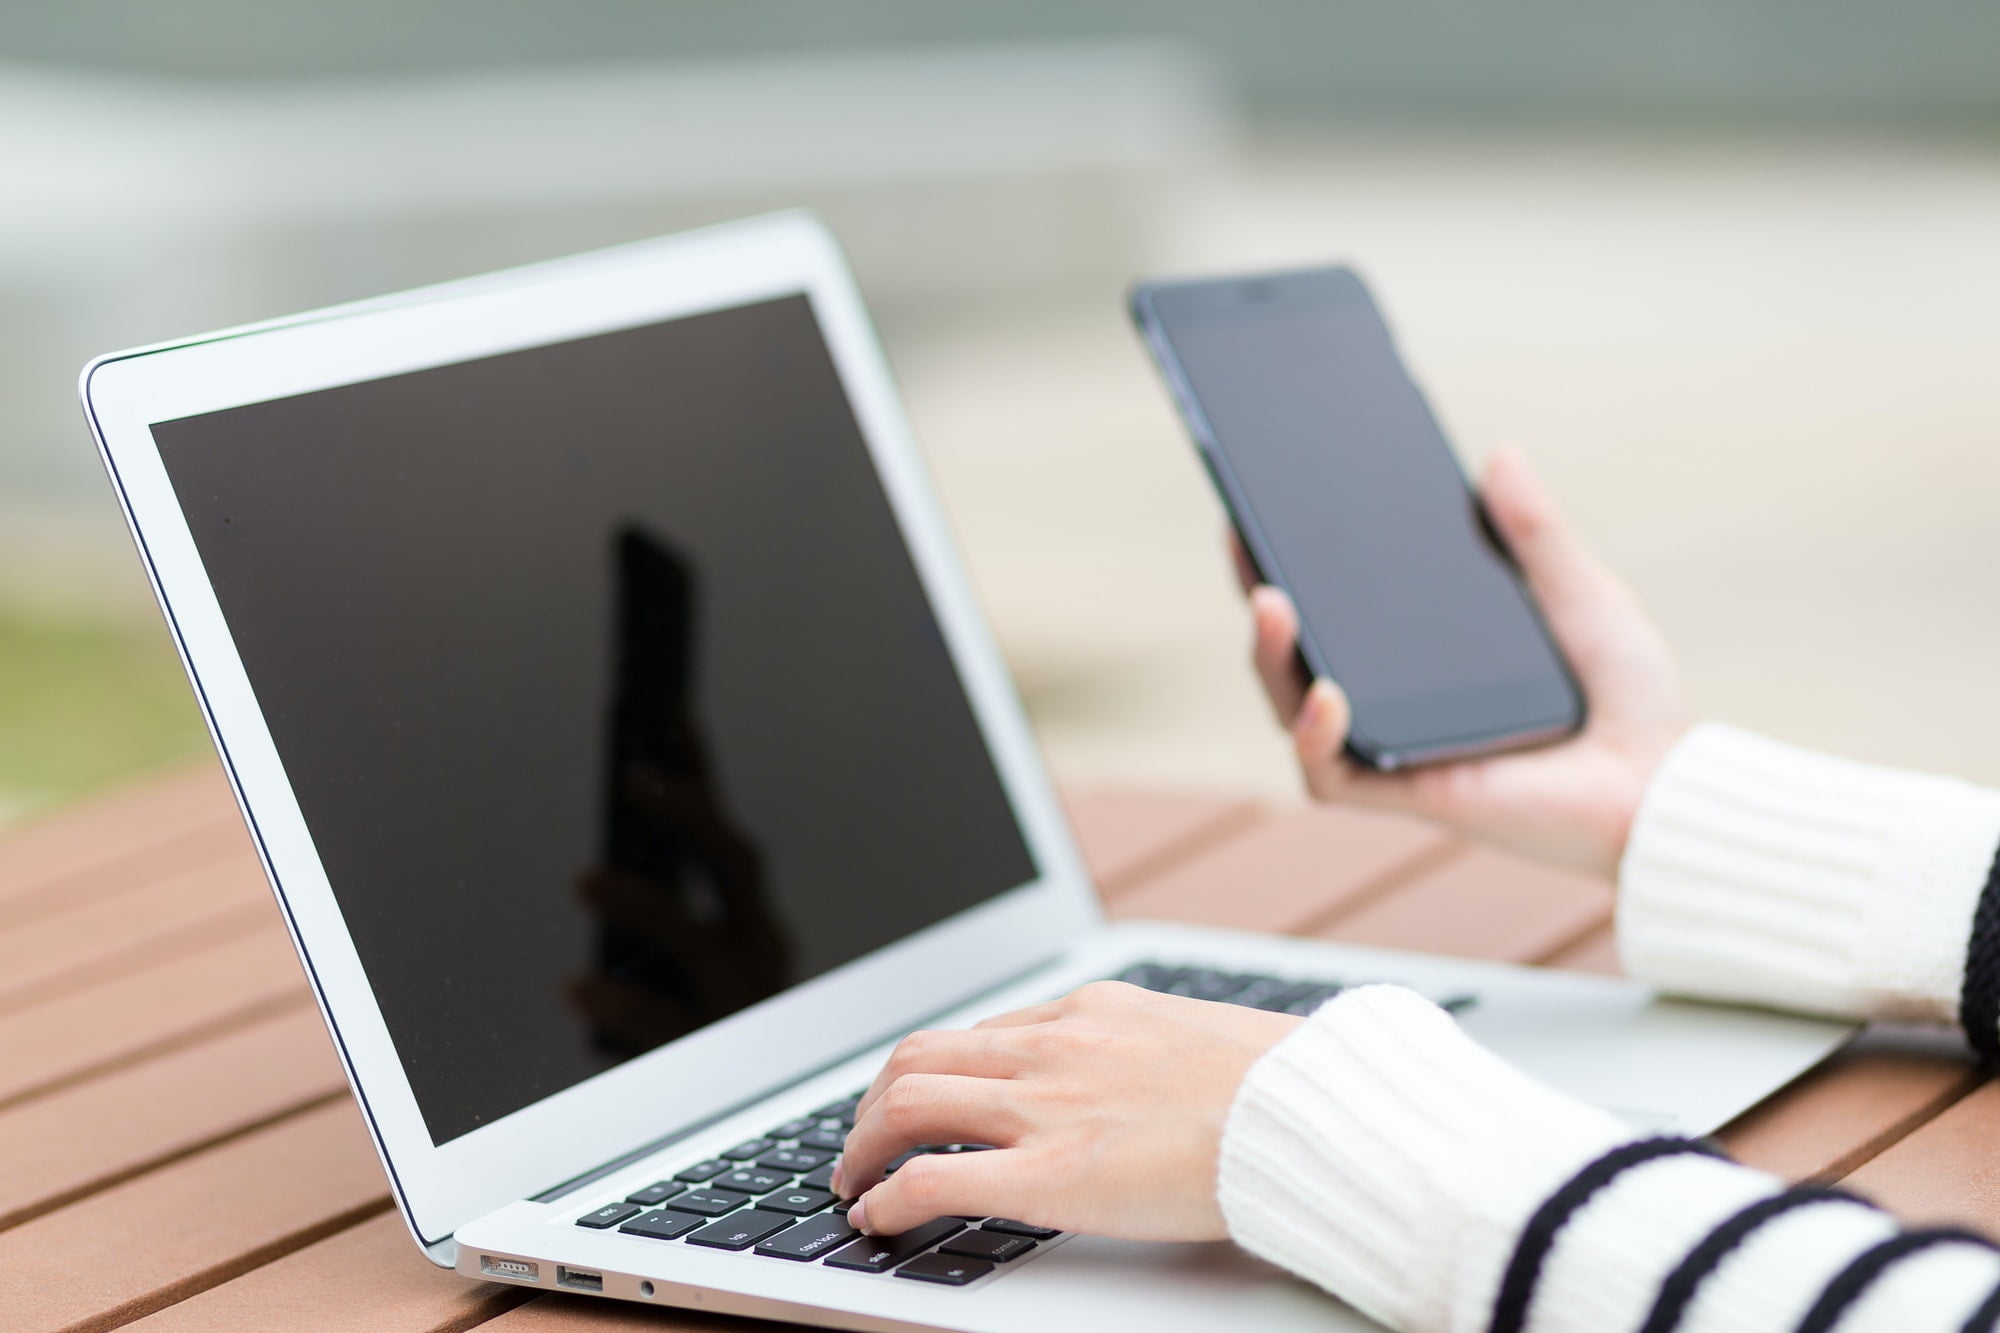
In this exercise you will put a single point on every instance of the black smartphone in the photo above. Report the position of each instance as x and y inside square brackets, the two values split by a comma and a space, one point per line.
[1346, 494]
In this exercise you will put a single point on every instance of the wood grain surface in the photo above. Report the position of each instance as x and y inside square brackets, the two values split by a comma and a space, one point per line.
[182, 1152]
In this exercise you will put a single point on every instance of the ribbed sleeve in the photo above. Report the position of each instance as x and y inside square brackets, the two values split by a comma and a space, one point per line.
[1381, 1153]
[1760, 872]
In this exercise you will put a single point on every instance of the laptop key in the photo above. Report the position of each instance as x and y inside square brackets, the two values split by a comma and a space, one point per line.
[821, 1179]
[701, 1171]
[799, 1202]
[610, 1215]
[744, 1152]
[663, 1224]
[1259, 991]
[791, 1129]
[809, 1240]
[657, 1192]
[1010, 1227]
[879, 1254]
[741, 1231]
[754, 1180]
[945, 1268]
[1206, 985]
[793, 1160]
[709, 1203]
[1150, 976]
[822, 1139]
[997, 1246]
[895, 1164]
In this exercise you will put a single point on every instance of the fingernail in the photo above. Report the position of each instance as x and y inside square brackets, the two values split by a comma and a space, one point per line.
[857, 1216]
[834, 1180]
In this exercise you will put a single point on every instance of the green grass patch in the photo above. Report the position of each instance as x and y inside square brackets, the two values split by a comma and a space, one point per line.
[85, 700]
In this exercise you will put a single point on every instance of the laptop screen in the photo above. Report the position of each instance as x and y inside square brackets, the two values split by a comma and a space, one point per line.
[606, 684]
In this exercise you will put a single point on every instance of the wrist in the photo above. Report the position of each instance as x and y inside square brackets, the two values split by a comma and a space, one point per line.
[1377, 1142]
[1643, 762]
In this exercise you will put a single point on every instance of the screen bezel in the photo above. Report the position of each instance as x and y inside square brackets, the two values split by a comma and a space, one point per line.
[441, 1186]
[1453, 724]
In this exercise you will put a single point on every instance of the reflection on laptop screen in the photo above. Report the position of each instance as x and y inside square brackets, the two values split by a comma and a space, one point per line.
[606, 685]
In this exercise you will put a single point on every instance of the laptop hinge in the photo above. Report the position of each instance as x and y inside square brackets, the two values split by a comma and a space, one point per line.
[624, 1160]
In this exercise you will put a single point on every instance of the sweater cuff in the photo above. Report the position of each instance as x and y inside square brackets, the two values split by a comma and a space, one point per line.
[1764, 873]
[1381, 1153]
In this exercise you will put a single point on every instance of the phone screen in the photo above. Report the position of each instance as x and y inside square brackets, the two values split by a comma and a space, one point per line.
[1348, 497]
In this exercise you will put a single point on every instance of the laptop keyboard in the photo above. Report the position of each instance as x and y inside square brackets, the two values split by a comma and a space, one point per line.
[772, 1196]
[1254, 990]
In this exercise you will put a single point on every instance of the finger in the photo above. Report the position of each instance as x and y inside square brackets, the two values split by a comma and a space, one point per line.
[1005, 1183]
[1319, 738]
[928, 1108]
[1090, 995]
[1047, 1012]
[1240, 561]
[1276, 651]
[977, 1052]
[1566, 578]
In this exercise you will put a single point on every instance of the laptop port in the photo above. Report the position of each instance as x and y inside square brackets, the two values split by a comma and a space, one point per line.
[519, 1270]
[578, 1280]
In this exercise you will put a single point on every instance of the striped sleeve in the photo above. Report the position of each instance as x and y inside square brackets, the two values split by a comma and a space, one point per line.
[1381, 1153]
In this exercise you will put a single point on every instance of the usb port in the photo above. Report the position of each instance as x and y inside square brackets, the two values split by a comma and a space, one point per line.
[520, 1270]
[578, 1280]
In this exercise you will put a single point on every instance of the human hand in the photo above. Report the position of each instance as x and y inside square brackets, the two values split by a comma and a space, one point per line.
[1571, 802]
[1105, 1110]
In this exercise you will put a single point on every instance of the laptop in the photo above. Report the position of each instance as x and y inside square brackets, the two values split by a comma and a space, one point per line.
[620, 735]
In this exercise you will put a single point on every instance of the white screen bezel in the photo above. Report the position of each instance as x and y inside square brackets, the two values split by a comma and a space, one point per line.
[568, 1133]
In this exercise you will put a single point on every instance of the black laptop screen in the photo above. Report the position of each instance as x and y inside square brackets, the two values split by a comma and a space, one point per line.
[606, 685]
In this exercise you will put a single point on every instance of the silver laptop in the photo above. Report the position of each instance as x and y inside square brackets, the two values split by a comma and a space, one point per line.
[621, 738]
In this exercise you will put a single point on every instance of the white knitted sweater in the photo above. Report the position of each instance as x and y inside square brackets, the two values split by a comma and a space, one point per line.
[1380, 1153]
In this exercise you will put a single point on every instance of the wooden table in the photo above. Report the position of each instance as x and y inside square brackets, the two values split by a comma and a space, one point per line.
[178, 1149]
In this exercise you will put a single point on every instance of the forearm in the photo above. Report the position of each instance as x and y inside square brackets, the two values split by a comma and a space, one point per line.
[1757, 871]
[1382, 1154]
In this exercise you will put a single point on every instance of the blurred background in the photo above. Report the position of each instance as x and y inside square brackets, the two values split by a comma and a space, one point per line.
[1729, 269]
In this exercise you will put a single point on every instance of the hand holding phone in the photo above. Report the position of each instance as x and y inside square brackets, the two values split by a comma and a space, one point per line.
[1570, 803]
[1392, 577]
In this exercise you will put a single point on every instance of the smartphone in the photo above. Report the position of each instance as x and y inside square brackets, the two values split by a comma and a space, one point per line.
[1346, 494]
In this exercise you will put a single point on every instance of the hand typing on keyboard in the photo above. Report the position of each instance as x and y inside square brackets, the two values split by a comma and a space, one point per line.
[1105, 1108]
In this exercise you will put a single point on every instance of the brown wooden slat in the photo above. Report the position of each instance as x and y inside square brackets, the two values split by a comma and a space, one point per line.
[1127, 836]
[1849, 1109]
[1596, 951]
[178, 1001]
[1481, 904]
[84, 1138]
[112, 827]
[1946, 1171]
[369, 1278]
[171, 1233]
[1289, 871]
[97, 940]
[177, 851]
